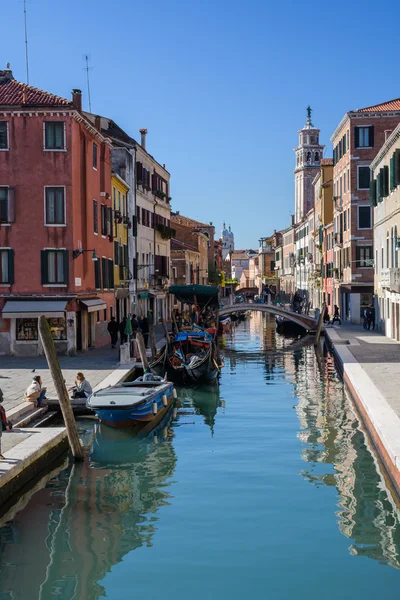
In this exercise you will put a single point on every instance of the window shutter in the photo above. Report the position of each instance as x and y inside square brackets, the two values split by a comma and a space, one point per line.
[126, 260]
[97, 275]
[356, 137]
[139, 171]
[344, 144]
[44, 267]
[116, 261]
[385, 185]
[372, 192]
[154, 182]
[392, 183]
[11, 205]
[66, 266]
[371, 135]
[10, 267]
[111, 273]
[134, 226]
[104, 272]
[134, 268]
[397, 167]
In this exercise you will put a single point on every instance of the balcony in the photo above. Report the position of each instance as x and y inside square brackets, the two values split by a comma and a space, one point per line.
[390, 279]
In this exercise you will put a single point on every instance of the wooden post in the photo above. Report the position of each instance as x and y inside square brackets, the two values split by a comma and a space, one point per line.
[319, 326]
[164, 324]
[142, 350]
[59, 384]
[152, 340]
[175, 323]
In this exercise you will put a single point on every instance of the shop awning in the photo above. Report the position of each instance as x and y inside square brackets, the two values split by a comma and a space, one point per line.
[143, 295]
[202, 295]
[94, 304]
[19, 309]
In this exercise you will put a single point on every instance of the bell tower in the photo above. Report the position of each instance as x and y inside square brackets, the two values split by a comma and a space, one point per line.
[308, 159]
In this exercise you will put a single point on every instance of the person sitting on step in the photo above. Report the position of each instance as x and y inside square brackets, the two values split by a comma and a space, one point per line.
[35, 392]
[82, 388]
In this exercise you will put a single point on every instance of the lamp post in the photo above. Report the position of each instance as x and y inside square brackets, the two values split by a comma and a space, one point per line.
[79, 251]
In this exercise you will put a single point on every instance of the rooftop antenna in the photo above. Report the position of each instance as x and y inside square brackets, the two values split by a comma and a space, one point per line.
[26, 45]
[87, 69]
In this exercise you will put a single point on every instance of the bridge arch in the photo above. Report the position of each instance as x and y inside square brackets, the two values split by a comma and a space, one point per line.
[308, 323]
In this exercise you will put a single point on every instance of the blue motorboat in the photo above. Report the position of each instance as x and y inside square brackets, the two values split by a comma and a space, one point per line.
[144, 400]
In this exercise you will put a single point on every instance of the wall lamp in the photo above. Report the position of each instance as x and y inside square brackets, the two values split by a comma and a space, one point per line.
[76, 253]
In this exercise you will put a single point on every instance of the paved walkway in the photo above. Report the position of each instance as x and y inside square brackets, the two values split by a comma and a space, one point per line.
[378, 355]
[16, 373]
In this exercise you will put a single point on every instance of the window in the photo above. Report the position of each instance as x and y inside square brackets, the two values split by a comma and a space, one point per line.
[364, 174]
[345, 220]
[364, 217]
[95, 217]
[54, 267]
[3, 135]
[308, 156]
[119, 201]
[103, 220]
[54, 136]
[95, 156]
[57, 328]
[364, 256]
[27, 330]
[97, 275]
[6, 266]
[6, 205]
[55, 206]
[316, 157]
[364, 137]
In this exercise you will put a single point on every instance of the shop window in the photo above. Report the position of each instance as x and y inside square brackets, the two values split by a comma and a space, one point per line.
[57, 328]
[27, 330]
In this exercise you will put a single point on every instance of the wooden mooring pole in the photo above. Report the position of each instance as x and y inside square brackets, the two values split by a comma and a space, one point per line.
[59, 384]
[319, 326]
[152, 340]
[142, 350]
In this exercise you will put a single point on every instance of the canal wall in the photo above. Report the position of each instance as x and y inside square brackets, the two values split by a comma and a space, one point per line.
[377, 412]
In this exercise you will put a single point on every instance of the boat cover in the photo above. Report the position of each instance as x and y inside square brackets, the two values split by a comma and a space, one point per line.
[202, 295]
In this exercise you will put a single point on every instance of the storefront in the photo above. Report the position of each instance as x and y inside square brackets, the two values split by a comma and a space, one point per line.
[20, 320]
[91, 323]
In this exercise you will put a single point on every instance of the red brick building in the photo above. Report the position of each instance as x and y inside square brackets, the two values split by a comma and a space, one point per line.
[356, 141]
[55, 218]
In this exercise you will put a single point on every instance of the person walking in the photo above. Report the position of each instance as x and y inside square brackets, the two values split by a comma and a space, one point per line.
[326, 315]
[135, 325]
[113, 329]
[365, 319]
[144, 326]
[336, 315]
[372, 312]
[122, 334]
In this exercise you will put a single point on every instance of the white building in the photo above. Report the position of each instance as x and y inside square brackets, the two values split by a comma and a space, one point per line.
[385, 197]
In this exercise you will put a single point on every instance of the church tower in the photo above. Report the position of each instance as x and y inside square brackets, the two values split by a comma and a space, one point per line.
[228, 241]
[308, 158]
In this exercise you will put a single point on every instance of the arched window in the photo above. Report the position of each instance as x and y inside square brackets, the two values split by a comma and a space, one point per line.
[308, 156]
[316, 157]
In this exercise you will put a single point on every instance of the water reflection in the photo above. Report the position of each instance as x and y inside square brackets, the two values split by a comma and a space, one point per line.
[205, 400]
[100, 510]
[338, 455]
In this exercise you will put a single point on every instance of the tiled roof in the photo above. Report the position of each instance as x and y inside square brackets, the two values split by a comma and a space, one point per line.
[326, 161]
[16, 93]
[391, 105]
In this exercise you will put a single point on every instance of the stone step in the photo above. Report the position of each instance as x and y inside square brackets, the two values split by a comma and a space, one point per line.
[30, 416]
[46, 419]
[15, 414]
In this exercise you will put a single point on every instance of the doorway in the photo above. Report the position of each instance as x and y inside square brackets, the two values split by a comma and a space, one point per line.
[79, 331]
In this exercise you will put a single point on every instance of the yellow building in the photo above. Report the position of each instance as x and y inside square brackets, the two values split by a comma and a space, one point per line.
[121, 225]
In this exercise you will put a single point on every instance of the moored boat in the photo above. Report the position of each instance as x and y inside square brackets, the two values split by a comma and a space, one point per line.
[127, 404]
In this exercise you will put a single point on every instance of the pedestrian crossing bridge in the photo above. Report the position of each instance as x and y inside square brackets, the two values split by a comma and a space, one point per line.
[305, 321]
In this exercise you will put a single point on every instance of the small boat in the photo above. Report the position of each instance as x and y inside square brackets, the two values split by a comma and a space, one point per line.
[203, 367]
[285, 326]
[146, 399]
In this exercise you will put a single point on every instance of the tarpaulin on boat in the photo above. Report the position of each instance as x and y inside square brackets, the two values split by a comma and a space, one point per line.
[202, 295]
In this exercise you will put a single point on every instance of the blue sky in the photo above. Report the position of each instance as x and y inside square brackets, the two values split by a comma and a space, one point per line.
[221, 86]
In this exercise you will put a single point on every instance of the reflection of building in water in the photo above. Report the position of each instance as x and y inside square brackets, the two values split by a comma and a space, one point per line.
[330, 436]
[100, 511]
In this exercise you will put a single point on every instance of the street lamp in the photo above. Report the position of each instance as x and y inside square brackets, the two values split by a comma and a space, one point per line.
[79, 251]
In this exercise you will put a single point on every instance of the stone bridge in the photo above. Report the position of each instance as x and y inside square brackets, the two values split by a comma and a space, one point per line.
[307, 322]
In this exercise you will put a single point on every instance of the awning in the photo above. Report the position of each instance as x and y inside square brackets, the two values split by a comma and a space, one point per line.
[16, 309]
[143, 295]
[202, 295]
[94, 304]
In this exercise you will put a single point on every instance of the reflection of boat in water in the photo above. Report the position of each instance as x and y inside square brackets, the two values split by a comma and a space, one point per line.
[285, 326]
[205, 400]
[144, 400]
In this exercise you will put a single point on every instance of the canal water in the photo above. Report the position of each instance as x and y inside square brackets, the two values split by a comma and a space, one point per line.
[262, 488]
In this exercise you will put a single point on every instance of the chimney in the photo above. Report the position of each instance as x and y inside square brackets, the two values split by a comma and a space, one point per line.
[387, 133]
[292, 220]
[77, 99]
[143, 133]
[177, 212]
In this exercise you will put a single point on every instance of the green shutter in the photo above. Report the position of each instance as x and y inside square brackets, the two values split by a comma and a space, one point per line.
[116, 257]
[10, 267]
[397, 167]
[44, 267]
[385, 181]
[126, 260]
[392, 182]
[371, 136]
[104, 272]
[97, 274]
[111, 273]
[134, 268]
[356, 137]
[134, 226]
[344, 144]
[372, 192]
[66, 266]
